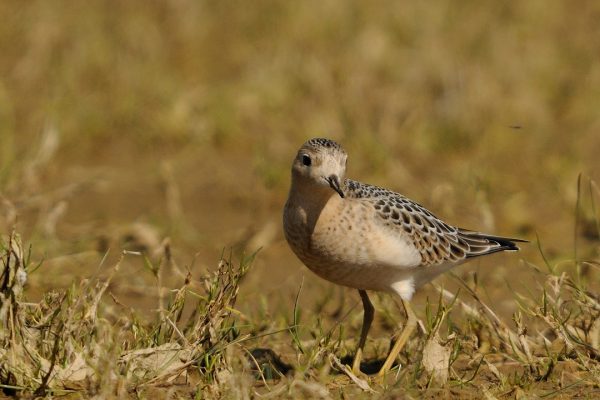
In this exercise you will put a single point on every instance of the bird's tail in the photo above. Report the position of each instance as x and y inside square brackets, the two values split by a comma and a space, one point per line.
[481, 244]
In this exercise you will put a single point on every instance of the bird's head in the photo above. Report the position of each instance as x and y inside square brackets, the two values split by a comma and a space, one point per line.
[321, 162]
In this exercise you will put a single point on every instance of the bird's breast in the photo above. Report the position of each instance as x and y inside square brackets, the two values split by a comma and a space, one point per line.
[338, 244]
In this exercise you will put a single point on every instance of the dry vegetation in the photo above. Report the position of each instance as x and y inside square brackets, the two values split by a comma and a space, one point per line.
[138, 140]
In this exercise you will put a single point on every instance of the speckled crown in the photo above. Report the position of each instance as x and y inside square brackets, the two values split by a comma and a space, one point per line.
[323, 142]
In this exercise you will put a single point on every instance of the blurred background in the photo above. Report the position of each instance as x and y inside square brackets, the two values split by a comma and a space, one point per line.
[144, 125]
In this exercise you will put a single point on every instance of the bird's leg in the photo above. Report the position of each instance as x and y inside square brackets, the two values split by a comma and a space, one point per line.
[411, 324]
[369, 311]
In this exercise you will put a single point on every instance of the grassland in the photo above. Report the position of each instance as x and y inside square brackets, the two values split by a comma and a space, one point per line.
[144, 159]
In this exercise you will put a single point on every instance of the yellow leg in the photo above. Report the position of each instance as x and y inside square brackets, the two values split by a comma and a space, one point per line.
[411, 324]
[369, 312]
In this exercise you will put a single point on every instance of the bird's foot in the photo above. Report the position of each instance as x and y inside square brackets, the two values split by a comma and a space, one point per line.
[356, 364]
[385, 375]
[356, 371]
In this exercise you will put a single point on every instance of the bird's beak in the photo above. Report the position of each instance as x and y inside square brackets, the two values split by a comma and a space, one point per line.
[334, 182]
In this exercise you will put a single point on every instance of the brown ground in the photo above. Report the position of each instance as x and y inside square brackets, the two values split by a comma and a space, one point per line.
[124, 124]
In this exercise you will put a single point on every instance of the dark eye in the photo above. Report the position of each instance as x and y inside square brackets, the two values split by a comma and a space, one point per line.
[306, 160]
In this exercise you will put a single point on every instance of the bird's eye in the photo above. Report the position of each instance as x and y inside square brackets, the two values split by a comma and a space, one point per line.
[306, 160]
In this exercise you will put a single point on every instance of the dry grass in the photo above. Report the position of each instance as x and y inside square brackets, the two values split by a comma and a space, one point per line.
[83, 341]
[72, 341]
[165, 130]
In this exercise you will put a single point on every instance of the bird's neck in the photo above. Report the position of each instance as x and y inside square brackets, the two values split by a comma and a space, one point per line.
[306, 201]
[307, 192]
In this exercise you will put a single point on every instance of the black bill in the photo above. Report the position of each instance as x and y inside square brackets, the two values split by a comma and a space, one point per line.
[334, 182]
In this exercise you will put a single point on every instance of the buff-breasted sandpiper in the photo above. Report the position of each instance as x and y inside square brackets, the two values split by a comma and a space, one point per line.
[369, 238]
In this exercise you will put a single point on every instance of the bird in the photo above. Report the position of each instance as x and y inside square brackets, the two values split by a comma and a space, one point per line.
[369, 238]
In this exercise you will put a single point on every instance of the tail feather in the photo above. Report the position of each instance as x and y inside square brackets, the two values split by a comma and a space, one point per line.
[481, 244]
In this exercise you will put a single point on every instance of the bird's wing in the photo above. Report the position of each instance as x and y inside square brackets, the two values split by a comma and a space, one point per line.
[436, 241]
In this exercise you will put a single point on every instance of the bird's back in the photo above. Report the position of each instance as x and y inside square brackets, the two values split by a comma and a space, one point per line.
[436, 241]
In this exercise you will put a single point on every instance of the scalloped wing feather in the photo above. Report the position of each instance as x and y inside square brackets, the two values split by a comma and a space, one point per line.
[436, 241]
